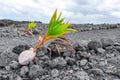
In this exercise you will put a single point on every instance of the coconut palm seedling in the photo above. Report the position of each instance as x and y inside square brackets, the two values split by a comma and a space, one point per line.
[57, 28]
[31, 25]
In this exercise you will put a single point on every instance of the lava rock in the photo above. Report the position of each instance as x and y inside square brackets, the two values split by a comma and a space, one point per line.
[17, 78]
[117, 48]
[7, 67]
[44, 58]
[54, 73]
[84, 54]
[58, 62]
[83, 62]
[81, 45]
[14, 64]
[70, 61]
[81, 75]
[24, 70]
[68, 54]
[35, 31]
[35, 70]
[100, 50]
[20, 48]
[4, 75]
[6, 57]
[107, 42]
[37, 79]
[93, 45]
[40, 54]
[96, 71]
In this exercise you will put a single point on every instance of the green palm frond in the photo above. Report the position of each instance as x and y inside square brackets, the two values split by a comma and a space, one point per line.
[57, 27]
[32, 25]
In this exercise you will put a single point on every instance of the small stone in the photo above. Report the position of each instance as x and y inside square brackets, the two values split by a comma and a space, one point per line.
[67, 78]
[14, 64]
[24, 70]
[100, 50]
[40, 54]
[35, 31]
[8, 67]
[58, 62]
[93, 45]
[35, 70]
[68, 54]
[117, 48]
[18, 78]
[55, 73]
[44, 58]
[20, 48]
[81, 45]
[37, 79]
[83, 62]
[81, 75]
[107, 42]
[85, 54]
[70, 61]
[56, 79]
[97, 71]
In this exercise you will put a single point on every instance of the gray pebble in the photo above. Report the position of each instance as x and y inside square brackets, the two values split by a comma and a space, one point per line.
[55, 73]
[107, 42]
[81, 75]
[35, 70]
[97, 71]
[58, 62]
[85, 54]
[19, 78]
[14, 64]
[93, 45]
[100, 50]
[24, 70]
[70, 61]
[7, 67]
[37, 79]
[83, 62]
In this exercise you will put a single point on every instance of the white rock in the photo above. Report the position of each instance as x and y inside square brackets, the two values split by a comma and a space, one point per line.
[26, 56]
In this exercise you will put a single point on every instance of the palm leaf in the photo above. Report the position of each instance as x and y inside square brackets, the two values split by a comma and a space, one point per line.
[57, 27]
[32, 25]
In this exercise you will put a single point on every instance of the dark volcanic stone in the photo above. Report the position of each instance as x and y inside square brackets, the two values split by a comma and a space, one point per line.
[117, 48]
[24, 70]
[81, 75]
[58, 62]
[107, 42]
[35, 70]
[54, 73]
[70, 61]
[6, 57]
[94, 45]
[14, 64]
[96, 71]
[100, 50]
[85, 54]
[18, 49]
[80, 45]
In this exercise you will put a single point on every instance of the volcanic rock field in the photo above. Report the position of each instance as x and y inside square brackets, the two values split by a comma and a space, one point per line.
[94, 53]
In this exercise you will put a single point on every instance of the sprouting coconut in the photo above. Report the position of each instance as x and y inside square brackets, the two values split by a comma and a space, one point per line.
[57, 28]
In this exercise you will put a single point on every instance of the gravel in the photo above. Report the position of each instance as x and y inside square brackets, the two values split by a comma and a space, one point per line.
[95, 55]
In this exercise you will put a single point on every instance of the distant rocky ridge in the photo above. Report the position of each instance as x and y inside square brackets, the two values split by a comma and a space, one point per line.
[8, 22]
[79, 27]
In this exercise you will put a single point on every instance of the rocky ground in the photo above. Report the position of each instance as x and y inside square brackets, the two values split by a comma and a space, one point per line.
[95, 54]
